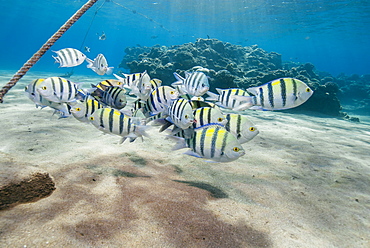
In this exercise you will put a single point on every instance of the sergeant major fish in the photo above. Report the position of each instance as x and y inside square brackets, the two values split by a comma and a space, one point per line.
[195, 83]
[212, 142]
[239, 125]
[114, 97]
[226, 97]
[57, 89]
[180, 113]
[42, 102]
[282, 93]
[99, 65]
[207, 116]
[112, 121]
[69, 57]
[159, 100]
[82, 110]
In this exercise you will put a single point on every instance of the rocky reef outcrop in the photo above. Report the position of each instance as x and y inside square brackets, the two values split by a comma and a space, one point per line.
[230, 65]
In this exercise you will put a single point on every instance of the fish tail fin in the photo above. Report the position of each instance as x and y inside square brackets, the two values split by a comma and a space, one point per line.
[246, 102]
[109, 70]
[178, 78]
[91, 63]
[212, 96]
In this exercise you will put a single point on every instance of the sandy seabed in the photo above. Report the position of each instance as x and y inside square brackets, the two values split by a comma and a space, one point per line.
[304, 182]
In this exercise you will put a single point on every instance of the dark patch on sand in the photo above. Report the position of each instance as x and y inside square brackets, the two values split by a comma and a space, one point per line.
[215, 192]
[138, 160]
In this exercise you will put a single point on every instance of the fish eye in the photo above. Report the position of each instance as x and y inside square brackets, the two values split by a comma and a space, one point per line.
[252, 129]
[308, 89]
[78, 109]
[236, 149]
[44, 87]
[91, 118]
[186, 117]
[119, 83]
[220, 119]
[172, 92]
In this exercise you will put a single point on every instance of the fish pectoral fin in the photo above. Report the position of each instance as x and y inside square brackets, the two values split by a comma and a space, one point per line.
[191, 153]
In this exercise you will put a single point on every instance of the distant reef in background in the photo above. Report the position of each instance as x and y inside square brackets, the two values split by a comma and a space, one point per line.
[230, 66]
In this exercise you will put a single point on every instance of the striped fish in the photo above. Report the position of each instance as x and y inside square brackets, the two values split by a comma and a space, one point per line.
[227, 99]
[239, 125]
[138, 83]
[159, 100]
[155, 83]
[109, 83]
[208, 115]
[181, 114]
[200, 103]
[112, 121]
[195, 83]
[114, 97]
[99, 65]
[212, 142]
[40, 101]
[282, 93]
[129, 80]
[69, 57]
[142, 87]
[82, 110]
[57, 89]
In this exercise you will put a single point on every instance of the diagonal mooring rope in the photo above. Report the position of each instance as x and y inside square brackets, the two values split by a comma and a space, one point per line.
[45, 47]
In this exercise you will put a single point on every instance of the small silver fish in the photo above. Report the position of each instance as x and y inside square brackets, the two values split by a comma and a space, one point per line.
[69, 57]
[102, 36]
[99, 65]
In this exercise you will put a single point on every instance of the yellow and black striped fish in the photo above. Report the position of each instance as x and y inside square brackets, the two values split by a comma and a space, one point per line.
[109, 83]
[82, 110]
[155, 83]
[40, 101]
[57, 89]
[159, 100]
[114, 97]
[227, 99]
[112, 121]
[181, 114]
[208, 115]
[239, 125]
[213, 142]
[282, 93]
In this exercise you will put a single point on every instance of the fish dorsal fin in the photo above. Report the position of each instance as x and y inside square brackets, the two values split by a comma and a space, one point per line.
[253, 90]
[219, 91]
[178, 77]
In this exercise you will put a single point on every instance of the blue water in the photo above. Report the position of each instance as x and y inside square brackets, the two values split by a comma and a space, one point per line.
[333, 35]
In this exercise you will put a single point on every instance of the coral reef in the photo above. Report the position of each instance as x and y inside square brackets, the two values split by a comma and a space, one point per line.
[230, 65]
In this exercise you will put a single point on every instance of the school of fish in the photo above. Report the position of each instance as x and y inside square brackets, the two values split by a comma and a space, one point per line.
[130, 104]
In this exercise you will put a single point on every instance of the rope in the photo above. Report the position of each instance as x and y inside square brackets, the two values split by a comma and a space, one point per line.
[24, 69]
